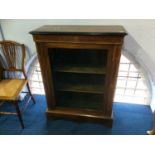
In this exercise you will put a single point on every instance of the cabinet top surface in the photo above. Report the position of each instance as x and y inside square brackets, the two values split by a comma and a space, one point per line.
[80, 30]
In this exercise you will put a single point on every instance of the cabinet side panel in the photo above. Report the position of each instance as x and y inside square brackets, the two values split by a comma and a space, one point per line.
[44, 61]
[114, 54]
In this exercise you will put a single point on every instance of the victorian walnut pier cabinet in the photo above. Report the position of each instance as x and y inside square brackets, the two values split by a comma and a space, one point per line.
[79, 66]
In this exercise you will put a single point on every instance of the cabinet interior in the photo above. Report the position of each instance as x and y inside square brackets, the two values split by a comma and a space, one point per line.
[79, 77]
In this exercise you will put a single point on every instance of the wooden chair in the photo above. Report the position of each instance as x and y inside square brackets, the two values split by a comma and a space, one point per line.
[14, 55]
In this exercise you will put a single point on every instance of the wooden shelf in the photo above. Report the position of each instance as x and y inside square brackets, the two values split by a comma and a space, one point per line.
[80, 104]
[80, 100]
[82, 88]
[80, 69]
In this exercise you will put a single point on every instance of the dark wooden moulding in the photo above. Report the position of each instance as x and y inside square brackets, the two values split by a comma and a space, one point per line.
[78, 84]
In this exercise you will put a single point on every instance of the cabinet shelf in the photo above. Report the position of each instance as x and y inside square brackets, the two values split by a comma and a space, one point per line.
[94, 89]
[80, 104]
[80, 100]
[80, 69]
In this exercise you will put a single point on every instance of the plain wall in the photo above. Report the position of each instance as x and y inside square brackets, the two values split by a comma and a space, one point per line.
[1, 35]
[140, 30]
[140, 42]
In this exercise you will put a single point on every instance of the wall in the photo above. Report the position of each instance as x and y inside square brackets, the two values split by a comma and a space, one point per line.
[140, 42]
[1, 34]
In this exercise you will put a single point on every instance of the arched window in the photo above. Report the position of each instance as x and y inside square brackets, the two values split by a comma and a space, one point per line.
[131, 85]
[35, 78]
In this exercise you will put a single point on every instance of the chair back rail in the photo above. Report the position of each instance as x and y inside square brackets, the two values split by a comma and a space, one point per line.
[14, 55]
[1, 72]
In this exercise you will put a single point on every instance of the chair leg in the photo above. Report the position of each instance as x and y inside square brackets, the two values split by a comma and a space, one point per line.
[28, 87]
[19, 114]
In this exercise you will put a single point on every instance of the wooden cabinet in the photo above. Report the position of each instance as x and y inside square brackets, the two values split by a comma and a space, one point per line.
[79, 67]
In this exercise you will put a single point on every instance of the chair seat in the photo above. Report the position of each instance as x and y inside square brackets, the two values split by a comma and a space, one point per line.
[10, 88]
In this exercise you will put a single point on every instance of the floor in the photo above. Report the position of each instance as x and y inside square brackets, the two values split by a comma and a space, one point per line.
[129, 119]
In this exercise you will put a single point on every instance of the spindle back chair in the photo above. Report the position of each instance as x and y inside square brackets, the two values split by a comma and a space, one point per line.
[14, 75]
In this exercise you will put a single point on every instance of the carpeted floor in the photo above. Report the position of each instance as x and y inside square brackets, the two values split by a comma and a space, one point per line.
[129, 119]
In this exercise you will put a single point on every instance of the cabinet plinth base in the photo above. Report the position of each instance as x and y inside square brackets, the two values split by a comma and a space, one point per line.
[80, 115]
